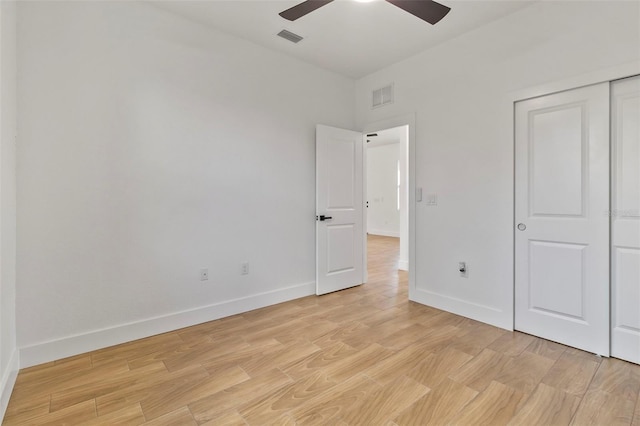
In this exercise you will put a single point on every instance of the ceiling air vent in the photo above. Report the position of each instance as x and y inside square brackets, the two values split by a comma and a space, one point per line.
[288, 35]
[382, 96]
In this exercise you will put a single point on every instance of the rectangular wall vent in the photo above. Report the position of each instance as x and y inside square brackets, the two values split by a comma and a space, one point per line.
[288, 35]
[382, 96]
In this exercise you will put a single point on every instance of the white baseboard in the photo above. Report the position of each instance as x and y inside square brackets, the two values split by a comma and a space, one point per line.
[485, 314]
[98, 339]
[8, 381]
[384, 233]
[403, 265]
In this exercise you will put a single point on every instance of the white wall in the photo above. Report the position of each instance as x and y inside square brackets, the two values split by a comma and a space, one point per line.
[151, 147]
[383, 216]
[8, 353]
[460, 92]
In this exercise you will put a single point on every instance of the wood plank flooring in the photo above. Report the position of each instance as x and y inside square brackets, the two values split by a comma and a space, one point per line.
[363, 356]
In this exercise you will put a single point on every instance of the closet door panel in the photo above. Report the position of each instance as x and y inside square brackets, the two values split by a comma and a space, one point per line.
[625, 219]
[562, 222]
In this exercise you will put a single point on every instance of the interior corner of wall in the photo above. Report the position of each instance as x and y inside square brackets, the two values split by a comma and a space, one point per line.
[8, 381]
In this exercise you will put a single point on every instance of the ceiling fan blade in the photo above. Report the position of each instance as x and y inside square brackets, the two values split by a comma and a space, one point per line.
[427, 10]
[299, 10]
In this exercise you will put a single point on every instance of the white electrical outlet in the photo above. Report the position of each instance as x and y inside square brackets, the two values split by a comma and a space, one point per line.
[204, 274]
[244, 268]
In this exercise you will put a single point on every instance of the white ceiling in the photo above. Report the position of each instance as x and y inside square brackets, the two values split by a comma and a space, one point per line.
[351, 38]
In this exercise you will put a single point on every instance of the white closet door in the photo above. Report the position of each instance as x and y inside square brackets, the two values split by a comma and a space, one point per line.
[562, 225]
[625, 219]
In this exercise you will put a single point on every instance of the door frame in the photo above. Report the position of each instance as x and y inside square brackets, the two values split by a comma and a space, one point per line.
[389, 123]
[621, 71]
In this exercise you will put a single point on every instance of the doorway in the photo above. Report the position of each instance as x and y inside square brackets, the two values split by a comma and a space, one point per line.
[341, 246]
[386, 189]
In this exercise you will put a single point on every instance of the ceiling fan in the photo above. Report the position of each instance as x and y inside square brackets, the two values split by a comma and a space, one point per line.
[427, 10]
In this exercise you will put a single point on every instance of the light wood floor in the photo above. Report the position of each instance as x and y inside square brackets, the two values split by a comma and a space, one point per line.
[364, 356]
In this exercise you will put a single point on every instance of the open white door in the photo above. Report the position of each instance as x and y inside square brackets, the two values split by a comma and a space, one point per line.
[625, 220]
[340, 252]
[562, 225]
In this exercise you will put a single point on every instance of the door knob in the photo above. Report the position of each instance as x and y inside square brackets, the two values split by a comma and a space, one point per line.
[322, 218]
[522, 227]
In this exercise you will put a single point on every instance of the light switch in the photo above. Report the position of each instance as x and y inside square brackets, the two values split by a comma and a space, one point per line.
[418, 195]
